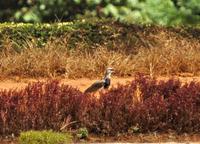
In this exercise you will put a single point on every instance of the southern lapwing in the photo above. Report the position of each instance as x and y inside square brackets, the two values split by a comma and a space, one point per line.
[104, 83]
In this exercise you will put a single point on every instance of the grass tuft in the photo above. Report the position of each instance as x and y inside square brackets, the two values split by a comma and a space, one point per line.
[44, 137]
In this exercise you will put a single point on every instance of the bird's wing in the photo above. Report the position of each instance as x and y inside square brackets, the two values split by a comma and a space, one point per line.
[95, 86]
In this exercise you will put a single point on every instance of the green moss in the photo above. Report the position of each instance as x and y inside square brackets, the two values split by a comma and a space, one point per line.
[44, 137]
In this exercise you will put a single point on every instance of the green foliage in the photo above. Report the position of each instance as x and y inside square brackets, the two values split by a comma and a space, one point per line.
[82, 133]
[44, 137]
[91, 32]
[190, 11]
[21, 34]
[156, 12]
[163, 12]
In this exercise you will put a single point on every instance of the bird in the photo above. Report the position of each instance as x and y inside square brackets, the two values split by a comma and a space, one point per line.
[104, 83]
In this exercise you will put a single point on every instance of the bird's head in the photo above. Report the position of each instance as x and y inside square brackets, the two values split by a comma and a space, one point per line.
[108, 73]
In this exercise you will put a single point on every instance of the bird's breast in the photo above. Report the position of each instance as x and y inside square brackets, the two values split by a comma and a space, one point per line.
[106, 83]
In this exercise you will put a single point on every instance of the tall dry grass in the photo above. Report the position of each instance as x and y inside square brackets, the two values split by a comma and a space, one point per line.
[166, 55]
[170, 56]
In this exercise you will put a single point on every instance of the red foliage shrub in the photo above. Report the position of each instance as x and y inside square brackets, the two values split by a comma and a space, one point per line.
[150, 87]
[168, 105]
[111, 113]
[38, 106]
[184, 108]
[150, 115]
[162, 105]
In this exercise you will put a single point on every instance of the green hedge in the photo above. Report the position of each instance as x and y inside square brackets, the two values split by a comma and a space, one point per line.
[91, 33]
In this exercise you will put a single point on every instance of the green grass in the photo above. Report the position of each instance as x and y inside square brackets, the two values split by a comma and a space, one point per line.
[44, 137]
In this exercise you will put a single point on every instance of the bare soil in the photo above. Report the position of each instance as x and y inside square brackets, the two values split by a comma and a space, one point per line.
[169, 138]
[83, 83]
[149, 138]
